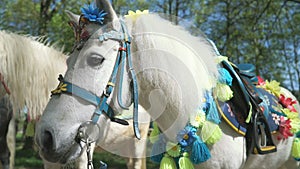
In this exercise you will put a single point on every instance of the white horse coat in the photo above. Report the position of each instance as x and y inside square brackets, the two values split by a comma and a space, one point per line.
[173, 68]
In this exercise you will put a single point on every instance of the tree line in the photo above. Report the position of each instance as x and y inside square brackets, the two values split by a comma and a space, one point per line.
[263, 32]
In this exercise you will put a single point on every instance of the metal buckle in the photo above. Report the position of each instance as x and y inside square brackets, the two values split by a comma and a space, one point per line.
[88, 132]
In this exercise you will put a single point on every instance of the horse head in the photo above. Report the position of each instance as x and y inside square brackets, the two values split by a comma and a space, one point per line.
[83, 104]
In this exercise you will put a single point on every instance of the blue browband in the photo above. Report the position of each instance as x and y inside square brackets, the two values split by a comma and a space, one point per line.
[124, 55]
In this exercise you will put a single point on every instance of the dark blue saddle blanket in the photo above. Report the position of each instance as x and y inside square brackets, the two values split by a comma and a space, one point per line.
[249, 110]
[247, 98]
[234, 118]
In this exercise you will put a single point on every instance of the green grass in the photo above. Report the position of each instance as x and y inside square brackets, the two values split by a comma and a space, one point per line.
[29, 159]
[26, 158]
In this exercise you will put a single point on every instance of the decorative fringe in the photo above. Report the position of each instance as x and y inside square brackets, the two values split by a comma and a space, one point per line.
[296, 148]
[215, 136]
[167, 162]
[200, 152]
[224, 77]
[30, 129]
[249, 114]
[213, 114]
[185, 162]
[154, 135]
[159, 147]
[223, 92]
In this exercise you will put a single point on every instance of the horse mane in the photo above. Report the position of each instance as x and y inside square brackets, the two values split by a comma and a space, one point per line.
[30, 68]
[169, 43]
[177, 41]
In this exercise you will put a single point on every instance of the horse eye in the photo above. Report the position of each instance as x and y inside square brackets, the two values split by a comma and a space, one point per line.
[95, 60]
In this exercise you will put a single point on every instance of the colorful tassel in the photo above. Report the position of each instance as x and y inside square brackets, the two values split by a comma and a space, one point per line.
[213, 114]
[154, 135]
[200, 151]
[214, 136]
[224, 77]
[223, 92]
[158, 149]
[185, 162]
[167, 162]
[296, 148]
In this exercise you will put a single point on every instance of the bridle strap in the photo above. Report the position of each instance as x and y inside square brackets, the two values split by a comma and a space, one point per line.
[134, 82]
[123, 52]
[69, 88]
[4, 84]
[124, 56]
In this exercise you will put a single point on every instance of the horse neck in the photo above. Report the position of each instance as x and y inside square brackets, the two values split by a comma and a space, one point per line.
[173, 69]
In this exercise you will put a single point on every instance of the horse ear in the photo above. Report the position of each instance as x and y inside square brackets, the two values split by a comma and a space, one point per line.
[111, 14]
[73, 17]
[74, 23]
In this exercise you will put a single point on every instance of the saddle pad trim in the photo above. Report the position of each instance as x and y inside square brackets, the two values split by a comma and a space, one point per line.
[228, 121]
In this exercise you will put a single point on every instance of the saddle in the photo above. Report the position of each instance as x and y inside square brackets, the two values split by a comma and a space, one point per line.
[246, 105]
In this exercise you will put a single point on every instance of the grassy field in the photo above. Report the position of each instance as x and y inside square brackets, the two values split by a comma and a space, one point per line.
[29, 159]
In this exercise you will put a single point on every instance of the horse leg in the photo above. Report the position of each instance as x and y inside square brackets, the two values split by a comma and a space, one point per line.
[136, 163]
[4, 153]
[11, 142]
[7, 134]
[140, 147]
[5, 162]
[4, 156]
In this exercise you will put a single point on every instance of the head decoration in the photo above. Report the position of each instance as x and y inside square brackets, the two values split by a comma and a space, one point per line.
[89, 14]
[92, 13]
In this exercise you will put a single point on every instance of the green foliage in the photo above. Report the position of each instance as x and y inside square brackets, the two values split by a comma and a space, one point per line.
[265, 33]
[20, 16]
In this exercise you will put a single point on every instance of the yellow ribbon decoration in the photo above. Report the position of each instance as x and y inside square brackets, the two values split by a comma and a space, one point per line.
[62, 87]
[134, 15]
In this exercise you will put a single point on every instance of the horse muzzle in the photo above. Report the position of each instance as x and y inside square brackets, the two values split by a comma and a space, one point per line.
[55, 151]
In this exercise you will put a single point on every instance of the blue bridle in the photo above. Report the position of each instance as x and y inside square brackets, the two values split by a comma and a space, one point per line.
[124, 55]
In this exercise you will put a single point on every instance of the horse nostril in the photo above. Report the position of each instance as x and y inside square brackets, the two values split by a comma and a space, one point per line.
[47, 141]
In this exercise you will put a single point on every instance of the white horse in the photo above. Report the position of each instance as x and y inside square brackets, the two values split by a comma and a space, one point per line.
[30, 70]
[173, 71]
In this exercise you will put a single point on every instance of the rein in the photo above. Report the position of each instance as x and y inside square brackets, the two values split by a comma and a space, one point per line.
[4, 84]
[124, 55]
